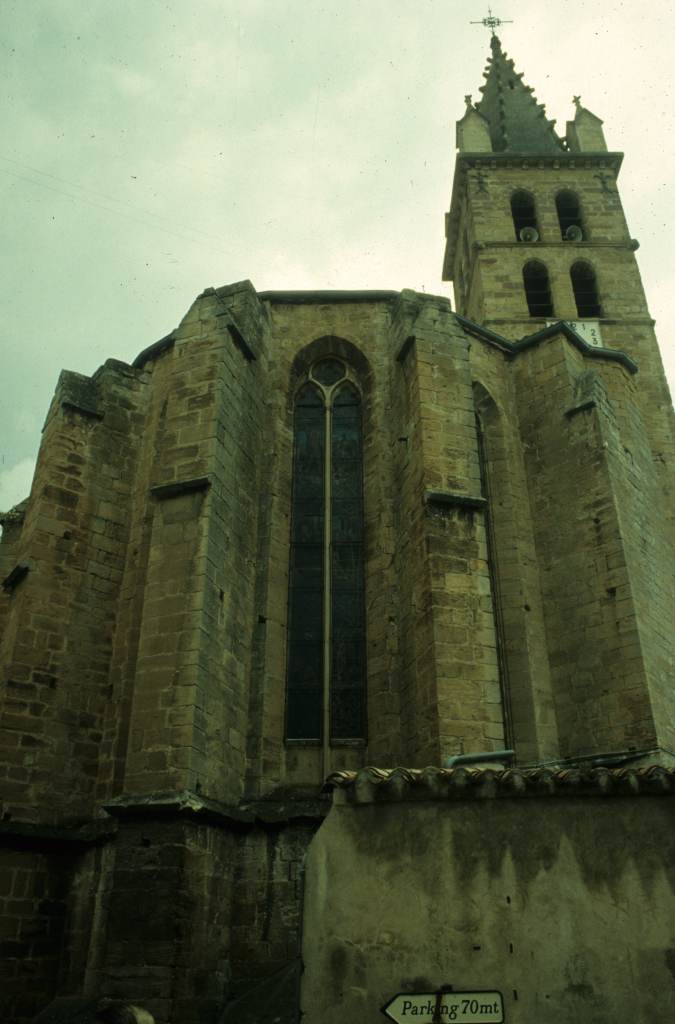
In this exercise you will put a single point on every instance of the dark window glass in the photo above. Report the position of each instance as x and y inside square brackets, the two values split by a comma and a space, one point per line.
[328, 371]
[523, 212]
[585, 290]
[537, 289]
[347, 711]
[569, 215]
[305, 618]
[347, 603]
[307, 628]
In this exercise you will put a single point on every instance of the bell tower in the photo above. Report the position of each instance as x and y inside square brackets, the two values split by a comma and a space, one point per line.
[536, 233]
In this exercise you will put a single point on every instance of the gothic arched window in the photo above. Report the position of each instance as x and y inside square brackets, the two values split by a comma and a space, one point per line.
[537, 289]
[569, 216]
[523, 213]
[326, 626]
[585, 289]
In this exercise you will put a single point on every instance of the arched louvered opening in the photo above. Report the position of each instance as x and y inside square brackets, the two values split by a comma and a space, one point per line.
[585, 290]
[537, 289]
[326, 624]
[569, 216]
[523, 213]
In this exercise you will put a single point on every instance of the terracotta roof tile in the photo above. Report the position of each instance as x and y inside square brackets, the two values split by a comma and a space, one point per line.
[370, 784]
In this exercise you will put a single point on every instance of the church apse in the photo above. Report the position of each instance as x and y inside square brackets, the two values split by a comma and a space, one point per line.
[332, 587]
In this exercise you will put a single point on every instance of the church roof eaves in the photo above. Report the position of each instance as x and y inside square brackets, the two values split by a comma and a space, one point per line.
[512, 348]
[371, 784]
[310, 297]
[154, 350]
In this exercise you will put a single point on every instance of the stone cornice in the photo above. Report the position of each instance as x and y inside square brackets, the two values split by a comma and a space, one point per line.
[513, 348]
[194, 806]
[179, 487]
[24, 834]
[442, 500]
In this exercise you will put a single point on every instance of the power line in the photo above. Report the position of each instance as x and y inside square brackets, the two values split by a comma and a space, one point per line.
[102, 195]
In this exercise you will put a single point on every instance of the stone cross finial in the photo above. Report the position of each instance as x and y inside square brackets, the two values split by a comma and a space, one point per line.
[468, 101]
[577, 102]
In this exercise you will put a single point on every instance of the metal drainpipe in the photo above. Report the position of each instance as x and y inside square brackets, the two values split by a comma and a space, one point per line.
[610, 758]
[488, 755]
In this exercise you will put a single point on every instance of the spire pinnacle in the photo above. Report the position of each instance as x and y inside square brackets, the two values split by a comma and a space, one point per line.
[518, 123]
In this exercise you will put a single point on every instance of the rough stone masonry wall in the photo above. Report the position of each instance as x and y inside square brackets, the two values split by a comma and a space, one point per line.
[34, 886]
[642, 510]
[267, 898]
[419, 721]
[529, 697]
[495, 263]
[598, 672]
[164, 938]
[114, 745]
[491, 276]
[54, 655]
[457, 695]
[56, 644]
[189, 711]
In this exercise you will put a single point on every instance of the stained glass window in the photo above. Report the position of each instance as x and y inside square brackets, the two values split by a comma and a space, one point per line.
[305, 612]
[326, 638]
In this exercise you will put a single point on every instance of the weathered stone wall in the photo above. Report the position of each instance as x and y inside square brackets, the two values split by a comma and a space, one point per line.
[143, 654]
[267, 898]
[564, 904]
[569, 430]
[34, 890]
[488, 266]
[164, 936]
[59, 620]
[529, 699]
[451, 688]
[189, 708]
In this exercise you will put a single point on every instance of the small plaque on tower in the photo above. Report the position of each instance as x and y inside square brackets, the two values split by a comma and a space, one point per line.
[588, 330]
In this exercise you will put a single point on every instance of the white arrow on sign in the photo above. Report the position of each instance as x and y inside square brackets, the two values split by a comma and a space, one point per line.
[458, 1007]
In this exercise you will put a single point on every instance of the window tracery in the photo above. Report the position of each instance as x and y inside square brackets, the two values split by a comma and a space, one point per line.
[326, 629]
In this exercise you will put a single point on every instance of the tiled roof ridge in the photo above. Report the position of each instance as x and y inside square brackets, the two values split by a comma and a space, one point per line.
[467, 782]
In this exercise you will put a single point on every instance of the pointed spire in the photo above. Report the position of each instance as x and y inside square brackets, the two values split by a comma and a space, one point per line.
[517, 122]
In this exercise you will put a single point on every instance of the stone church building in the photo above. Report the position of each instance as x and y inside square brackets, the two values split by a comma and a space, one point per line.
[335, 638]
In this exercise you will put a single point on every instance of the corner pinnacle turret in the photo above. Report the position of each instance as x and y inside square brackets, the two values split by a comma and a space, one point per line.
[517, 122]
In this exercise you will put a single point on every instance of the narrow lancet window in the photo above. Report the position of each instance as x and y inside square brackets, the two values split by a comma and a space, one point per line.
[326, 629]
[524, 216]
[305, 625]
[569, 216]
[347, 606]
[585, 290]
[537, 289]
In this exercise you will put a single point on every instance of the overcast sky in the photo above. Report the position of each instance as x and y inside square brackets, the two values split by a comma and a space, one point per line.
[151, 148]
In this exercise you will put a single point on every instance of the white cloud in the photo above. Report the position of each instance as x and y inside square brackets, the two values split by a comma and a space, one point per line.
[15, 483]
